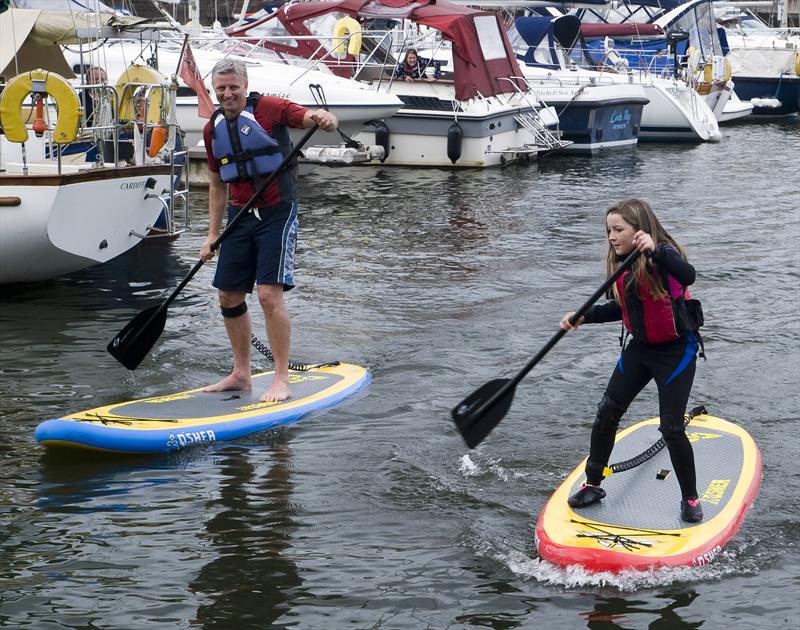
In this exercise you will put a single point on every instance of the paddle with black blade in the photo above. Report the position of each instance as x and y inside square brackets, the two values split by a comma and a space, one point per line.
[133, 342]
[481, 411]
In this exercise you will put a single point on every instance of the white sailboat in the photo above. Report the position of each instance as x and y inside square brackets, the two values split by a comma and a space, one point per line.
[58, 215]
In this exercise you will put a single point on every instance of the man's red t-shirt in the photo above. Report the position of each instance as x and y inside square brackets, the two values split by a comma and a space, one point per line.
[269, 111]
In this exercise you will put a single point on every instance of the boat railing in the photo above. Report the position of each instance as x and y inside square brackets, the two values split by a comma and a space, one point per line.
[531, 119]
[366, 67]
[144, 97]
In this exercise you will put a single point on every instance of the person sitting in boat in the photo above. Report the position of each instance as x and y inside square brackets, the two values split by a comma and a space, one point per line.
[95, 75]
[413, 67]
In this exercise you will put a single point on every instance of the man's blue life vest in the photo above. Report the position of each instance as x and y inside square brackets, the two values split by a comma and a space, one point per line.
[242, 146]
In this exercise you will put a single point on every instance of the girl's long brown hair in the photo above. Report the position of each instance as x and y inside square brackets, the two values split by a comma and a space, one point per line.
[640, 215]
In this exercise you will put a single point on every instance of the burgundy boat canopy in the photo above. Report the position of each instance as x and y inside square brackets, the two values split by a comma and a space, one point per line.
[483, 61]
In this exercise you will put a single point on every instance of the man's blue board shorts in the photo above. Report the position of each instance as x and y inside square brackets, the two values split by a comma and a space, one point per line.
[259, 250]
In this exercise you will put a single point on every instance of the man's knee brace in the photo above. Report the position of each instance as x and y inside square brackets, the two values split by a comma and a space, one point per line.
[608, 415]
[234, 311]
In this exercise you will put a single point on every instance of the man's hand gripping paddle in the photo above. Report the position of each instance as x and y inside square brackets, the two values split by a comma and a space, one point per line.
[133, 342]
[482, 410]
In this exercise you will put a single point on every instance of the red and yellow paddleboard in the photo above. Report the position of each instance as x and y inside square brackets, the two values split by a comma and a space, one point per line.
[638, 525]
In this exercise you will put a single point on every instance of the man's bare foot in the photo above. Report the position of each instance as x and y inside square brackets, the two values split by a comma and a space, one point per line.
[232, 382]
[278, 391]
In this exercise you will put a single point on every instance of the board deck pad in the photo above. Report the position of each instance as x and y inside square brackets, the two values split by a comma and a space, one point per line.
[638, 525]
[166, 423]
[641, 500]
[211, 405]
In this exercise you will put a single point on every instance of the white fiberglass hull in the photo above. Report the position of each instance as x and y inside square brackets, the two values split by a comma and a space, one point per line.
[420, 132]
[54, 224]
[676, 112]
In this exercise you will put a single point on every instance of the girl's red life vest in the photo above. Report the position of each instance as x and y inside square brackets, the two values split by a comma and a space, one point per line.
[243, 147]
[649, 319]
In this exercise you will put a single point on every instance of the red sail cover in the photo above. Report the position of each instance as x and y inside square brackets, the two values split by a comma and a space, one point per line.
[473, 72]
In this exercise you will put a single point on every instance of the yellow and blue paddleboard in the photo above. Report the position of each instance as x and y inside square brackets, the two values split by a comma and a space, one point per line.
[168, 423]
[637, 525]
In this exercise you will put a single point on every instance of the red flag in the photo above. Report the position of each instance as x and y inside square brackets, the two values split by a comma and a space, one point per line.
[190, 74]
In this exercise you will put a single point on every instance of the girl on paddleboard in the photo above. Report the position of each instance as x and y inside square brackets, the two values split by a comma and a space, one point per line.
[656, 310]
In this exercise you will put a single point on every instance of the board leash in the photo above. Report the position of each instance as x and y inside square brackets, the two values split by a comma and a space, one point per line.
[642, 457]
[293, 365]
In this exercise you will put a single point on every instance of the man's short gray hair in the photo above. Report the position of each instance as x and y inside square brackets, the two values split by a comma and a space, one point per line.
[230, 66]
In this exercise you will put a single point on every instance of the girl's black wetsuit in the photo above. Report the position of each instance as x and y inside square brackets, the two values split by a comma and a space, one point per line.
[671, 364]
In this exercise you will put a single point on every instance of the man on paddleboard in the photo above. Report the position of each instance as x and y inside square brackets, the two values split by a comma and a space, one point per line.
[246, 139]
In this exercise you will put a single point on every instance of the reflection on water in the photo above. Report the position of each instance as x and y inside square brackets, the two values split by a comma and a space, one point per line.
[618, 612]
[252, 577]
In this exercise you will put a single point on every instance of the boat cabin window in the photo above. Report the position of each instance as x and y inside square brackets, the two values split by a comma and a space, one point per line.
[489, 37]
[273, 30]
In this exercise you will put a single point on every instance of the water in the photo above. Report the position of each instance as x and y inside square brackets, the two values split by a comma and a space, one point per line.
[373, 514]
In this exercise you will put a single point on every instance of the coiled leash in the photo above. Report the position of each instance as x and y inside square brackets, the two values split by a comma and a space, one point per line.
[642, 457]
[293, 365]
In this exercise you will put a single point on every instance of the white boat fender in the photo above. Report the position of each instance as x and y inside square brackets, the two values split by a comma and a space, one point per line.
[382, 139]
[455, 136]
[343, 154]
[770, 103]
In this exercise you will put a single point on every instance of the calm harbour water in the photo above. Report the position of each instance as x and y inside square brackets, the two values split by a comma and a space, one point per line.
[374, 514]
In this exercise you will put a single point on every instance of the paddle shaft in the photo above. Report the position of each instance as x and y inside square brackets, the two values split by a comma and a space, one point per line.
[232, 223]
[561, 332]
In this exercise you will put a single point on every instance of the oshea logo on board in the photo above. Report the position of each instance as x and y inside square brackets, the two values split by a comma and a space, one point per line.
[179, 440]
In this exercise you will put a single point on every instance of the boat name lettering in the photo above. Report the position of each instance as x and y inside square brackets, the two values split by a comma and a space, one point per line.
[620, 120]
[179, 440]
[707, 557]
[277, 94]
[544, 93]
[132, 185]
[715, 491]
